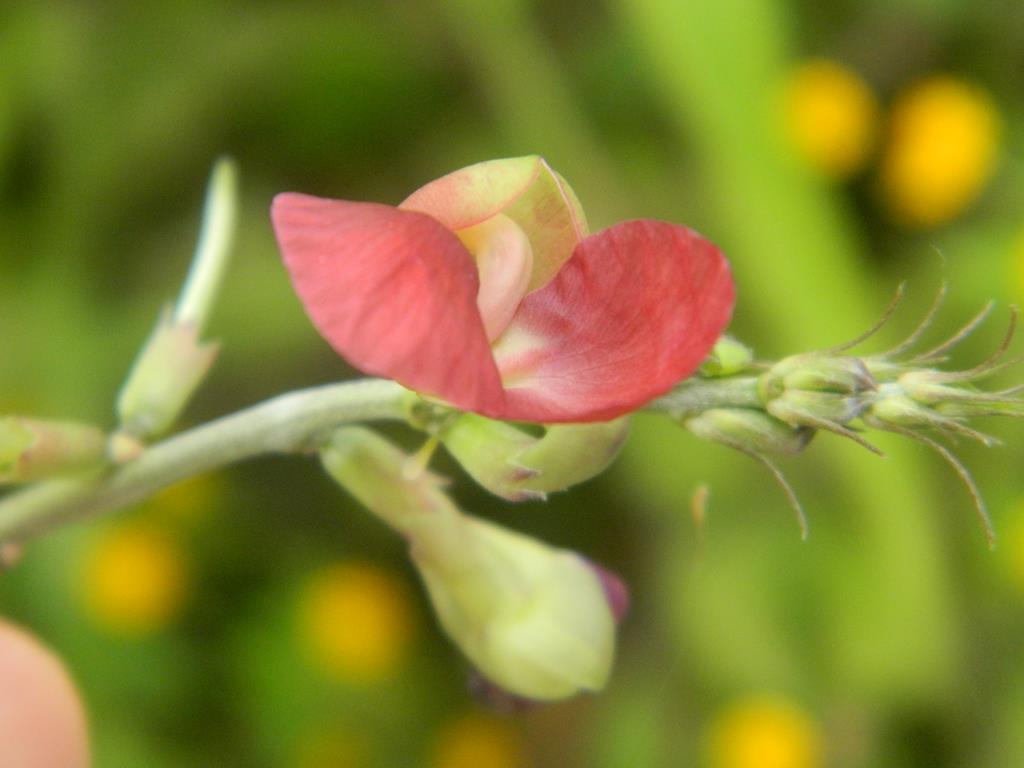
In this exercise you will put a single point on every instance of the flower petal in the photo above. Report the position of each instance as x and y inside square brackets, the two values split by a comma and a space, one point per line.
[473, 194]
[636, 309]
[526, 190]
[392, 291]
[504, 261]
[553, 219]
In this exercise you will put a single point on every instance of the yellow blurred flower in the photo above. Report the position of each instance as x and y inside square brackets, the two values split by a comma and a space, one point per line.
[355, 622]
[336, 748]
[135, 579]
[478, 741]
[942, 148]
[831, 117]
[762, 732]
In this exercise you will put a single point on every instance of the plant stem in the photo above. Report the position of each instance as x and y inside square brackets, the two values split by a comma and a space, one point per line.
[698, 394]
[292, 423]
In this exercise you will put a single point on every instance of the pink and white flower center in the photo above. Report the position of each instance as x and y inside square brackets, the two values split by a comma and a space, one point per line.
[504, 262]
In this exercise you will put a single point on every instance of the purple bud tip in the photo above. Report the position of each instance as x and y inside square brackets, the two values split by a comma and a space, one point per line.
[522, 474]
[496, 698]
[615, 590]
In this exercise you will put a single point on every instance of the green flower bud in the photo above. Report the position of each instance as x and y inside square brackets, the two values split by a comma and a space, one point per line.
[926, 387]
[518, 466]
[170, 367]
[902, 411]
[31, 449]
[816, 372]
[846, 375]
[533, 619]
[895, 409]
[488, 451]
[727, 357]
[800, 408]
[568, 454]
[749, 430]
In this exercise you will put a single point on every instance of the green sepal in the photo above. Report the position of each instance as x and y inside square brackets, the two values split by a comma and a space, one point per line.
[800, 408]
[517, 466]
[488, 451]
[569, 454]
[168, 370]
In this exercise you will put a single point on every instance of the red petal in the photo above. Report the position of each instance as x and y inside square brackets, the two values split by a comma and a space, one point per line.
[394, 292]
[635, 310]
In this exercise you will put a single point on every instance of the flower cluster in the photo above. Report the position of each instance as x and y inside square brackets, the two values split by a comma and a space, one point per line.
[520, 342]
[776, 408]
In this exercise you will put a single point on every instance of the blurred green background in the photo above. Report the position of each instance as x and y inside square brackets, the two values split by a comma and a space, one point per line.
[258, 618]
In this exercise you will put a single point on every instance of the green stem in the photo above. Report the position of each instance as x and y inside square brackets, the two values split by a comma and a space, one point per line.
[292, 423]
[697, 394]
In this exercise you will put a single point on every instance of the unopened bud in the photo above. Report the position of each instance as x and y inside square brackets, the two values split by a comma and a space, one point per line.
[926, 387]
[534, 620]
[816, 372]
[902, 411]
[895, 409]
[803, 408]
[749, 430]
[31, 449]
[517, 466]
[499, 699]
[568, 454]
[488, 451]
[727, 357]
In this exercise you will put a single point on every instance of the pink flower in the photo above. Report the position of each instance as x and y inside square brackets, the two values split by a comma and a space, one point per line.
[484, 289]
